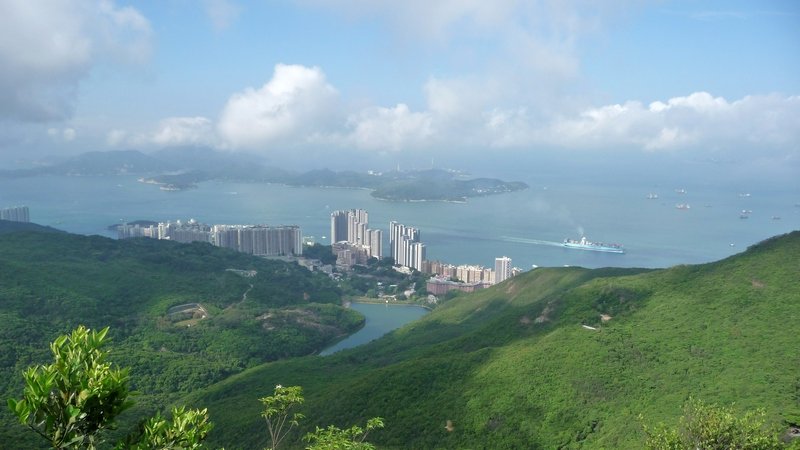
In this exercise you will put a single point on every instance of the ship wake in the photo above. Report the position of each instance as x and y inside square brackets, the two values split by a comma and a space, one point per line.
[530, 241]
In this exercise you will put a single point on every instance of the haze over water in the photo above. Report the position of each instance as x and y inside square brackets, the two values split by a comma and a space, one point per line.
[525, 225]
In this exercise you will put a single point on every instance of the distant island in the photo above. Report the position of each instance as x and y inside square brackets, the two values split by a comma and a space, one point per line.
[412, 185]
[178, 170]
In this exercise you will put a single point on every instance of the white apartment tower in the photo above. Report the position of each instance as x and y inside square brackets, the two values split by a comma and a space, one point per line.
[406, 249]
[375, 242]
[16, 214]
[352, 226]
[502, 269]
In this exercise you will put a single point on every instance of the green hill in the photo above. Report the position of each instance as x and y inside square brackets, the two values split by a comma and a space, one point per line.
[182, 316]
[10, 226]
[555, 358]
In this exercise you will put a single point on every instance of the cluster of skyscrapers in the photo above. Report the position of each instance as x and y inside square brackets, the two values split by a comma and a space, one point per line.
[352, 240]
[16, 214]
[407, 250]
[261, 240]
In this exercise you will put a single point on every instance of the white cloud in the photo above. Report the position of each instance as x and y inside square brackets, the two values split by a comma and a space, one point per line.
[293, 105]
[442, 19]
[222, 13]
[62, 134]
[116, 137]
[46, 48]
[177, 131]
[527, 57]
[390, 129]
[698, 122]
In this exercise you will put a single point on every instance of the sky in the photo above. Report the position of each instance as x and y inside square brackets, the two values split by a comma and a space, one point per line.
[336, 82]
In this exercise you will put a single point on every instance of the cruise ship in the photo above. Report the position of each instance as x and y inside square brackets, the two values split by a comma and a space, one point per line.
[585, 244]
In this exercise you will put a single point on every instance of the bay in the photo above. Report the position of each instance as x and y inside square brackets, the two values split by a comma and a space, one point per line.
[380, 319]
[525, 226]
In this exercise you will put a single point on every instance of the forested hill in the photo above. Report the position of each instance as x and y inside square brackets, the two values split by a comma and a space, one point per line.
[182, 316]
[556, 358]
[10, 226]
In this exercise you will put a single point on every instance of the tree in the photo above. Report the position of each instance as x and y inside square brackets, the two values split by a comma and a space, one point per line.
[278, 412]
[711, 427]
[186, 431]
[334, 438]
[70, 402]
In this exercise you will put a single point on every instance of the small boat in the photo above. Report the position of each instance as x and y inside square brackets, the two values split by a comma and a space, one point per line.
[652, 196]
[683, 206]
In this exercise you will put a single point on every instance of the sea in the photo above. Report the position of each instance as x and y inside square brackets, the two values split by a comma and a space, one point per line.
[528, 226]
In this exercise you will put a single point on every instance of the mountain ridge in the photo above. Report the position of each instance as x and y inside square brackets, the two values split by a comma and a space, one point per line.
[532, 363]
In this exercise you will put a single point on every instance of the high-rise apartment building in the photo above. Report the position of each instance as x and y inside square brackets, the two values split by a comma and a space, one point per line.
[15, 214]
[375, 242]
[502, 269]
[339, 221]
[352, 226]
[406, 249]
[259, 240]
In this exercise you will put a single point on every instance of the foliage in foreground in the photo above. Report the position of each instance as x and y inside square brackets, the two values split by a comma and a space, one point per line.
[186, 431]
[279, 412]
[334, 438]
[711, 427]
[71, 402]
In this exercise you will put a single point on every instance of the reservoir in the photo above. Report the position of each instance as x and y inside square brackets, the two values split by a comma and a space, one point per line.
[381, 319]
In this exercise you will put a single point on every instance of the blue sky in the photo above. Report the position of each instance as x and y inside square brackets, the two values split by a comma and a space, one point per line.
[378, 79]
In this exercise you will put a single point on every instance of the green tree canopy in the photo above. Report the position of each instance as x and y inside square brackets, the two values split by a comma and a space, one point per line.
[70, 402]
[711, 427]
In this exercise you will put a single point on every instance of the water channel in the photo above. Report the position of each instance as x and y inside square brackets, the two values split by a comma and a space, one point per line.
[381, 319]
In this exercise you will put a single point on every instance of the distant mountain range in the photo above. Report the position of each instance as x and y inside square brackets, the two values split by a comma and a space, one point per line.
[178, 169]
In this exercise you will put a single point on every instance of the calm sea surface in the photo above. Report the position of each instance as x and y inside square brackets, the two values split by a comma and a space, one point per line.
[525, 226]
[381, 319]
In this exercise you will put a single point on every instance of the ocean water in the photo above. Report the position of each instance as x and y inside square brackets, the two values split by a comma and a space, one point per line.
[525, 226]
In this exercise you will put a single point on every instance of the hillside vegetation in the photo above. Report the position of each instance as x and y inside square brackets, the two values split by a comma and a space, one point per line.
[182, 316]
[555, 358]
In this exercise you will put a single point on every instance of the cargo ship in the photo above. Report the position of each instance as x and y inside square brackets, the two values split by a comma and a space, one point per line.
[585, 244]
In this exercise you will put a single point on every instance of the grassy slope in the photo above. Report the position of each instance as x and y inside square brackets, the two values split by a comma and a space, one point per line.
[724, 332]
[52, 282]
